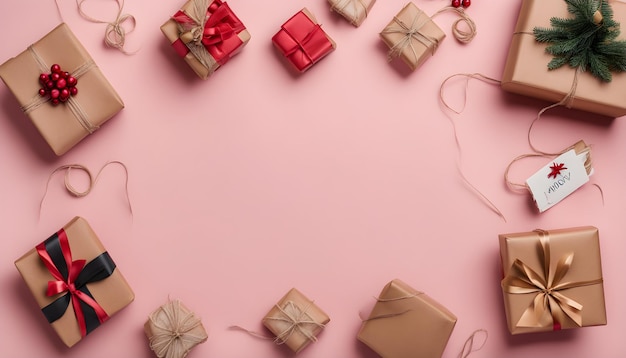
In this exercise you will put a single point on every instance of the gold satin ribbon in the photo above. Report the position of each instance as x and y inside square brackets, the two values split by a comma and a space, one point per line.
[549, 306]
[297, 320]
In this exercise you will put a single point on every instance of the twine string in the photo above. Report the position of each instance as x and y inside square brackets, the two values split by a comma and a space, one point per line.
[92, 181]
[468, 347]
[174, 330]
[198, 13]
[461, 35]
[458, 161]
[115, 32]
[410, 33]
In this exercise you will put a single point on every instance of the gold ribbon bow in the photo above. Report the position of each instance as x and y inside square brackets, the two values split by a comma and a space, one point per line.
[550, 306]
[295, 319]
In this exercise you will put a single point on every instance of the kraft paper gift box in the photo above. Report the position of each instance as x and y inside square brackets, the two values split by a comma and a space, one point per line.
[295, 320]
[526, 70]
[406, 323]
[95, 287]
[355, 11]
[173, 330]
[552, 279]
[65, 124]
[302, 41]
[412, 36]
[206, 34]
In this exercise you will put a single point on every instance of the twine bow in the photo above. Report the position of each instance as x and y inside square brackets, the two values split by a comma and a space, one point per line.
[174, 331]
[549, 306]
[295, 319]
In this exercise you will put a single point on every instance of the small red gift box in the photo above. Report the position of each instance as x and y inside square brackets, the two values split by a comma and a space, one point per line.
[302, 41]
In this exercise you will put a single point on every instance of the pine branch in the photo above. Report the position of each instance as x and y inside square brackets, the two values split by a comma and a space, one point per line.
[585, 41]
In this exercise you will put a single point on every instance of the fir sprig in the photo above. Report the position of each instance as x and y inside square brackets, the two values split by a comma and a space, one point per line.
[586, 41]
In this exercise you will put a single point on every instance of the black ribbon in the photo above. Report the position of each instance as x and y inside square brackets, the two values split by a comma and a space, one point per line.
[98, 269]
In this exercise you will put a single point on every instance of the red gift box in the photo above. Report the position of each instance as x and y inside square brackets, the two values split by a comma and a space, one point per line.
[302, 41]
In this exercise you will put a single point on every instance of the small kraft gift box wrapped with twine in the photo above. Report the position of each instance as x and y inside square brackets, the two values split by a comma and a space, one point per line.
[295, 321]
[74, 281]
[355, 11]
[206, 34]
[552, 279]
[60, 88]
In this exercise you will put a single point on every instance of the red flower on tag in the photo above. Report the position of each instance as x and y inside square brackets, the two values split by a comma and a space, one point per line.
[556, 169]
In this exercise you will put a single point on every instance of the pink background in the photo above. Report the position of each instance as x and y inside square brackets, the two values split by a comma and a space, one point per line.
[335, 182]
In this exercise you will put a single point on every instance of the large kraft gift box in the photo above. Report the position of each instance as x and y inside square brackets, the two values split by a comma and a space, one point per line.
[206, 34]
[412, 35]
[295, 320]
[62, 125]
[406, 323]
[552, 279]
[98, 288]
[526, 70]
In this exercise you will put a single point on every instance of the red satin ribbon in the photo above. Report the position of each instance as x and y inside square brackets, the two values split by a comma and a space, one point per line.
[302, 41]
[61, 285]
[219, 35]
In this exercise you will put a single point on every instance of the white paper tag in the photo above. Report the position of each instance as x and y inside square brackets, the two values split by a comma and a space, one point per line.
[558, 179]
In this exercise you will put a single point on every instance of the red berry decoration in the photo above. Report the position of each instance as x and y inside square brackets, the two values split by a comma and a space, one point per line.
[467, 3]
[58, 84]
[456, 3]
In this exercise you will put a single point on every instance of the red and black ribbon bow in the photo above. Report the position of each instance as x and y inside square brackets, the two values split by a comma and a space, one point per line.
[71, 277]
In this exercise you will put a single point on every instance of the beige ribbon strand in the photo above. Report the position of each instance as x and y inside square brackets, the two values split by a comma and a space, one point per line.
[459, 168]
[174, 331]
[92, 181]
[468, 347]
[549, 305]
[115, 32]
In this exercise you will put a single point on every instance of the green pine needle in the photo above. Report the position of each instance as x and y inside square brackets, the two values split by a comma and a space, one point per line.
[582, 43]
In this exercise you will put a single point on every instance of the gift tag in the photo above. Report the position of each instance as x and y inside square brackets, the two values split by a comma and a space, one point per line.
[558, 179]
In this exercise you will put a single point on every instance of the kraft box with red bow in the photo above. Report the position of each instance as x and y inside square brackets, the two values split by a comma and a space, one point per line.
[206, 34]
[74, 281]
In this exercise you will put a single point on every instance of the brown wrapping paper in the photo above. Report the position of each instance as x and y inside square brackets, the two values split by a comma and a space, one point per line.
[417, 52]
[171, 31]
[406, 323]
[306, 311]
[112, 293]
[173, 330]
[526, 70]
[583, 242]
[57, 124]
[355, 11]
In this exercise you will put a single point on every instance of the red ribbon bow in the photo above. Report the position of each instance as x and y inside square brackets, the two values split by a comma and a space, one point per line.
[62, 284]
[219, 34]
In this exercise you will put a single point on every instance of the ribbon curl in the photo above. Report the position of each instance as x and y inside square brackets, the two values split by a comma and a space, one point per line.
[549, 306]
[71, 277]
